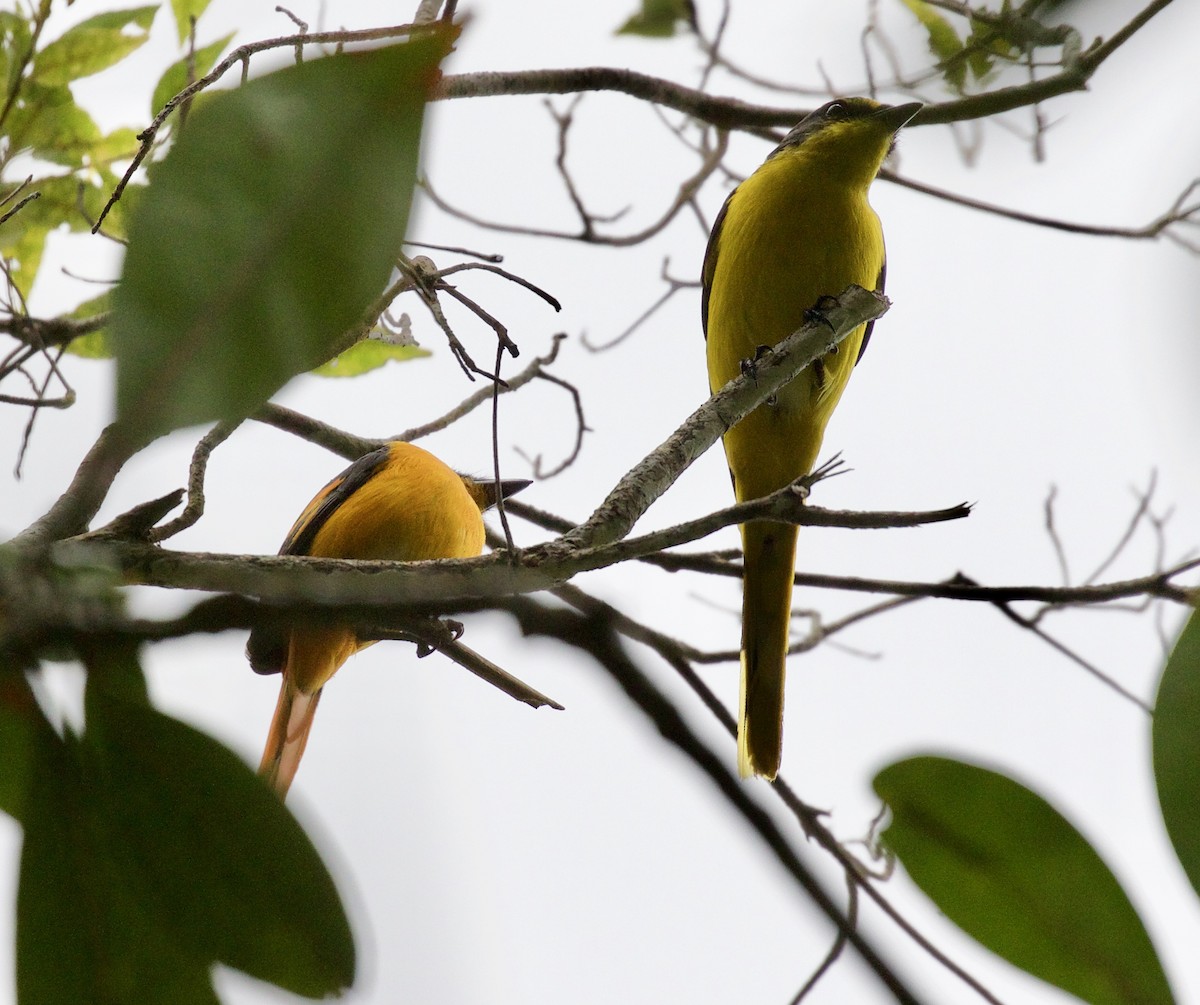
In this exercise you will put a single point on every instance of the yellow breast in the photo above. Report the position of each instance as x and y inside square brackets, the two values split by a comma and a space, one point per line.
[791, 235]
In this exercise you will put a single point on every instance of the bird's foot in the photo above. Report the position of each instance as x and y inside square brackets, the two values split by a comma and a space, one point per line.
[817, 311]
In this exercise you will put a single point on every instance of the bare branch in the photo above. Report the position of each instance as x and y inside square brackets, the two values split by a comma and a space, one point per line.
[1031, 626]
[726, 113]
[839, 941]
[638, 489]
[673, 287]
[45, 332]
[1139, 514]
[242, 55]
[1178, 214]
[473, 401]
[581, 427]
[195, 491]
[75, 508]
[595, 636]
[336, 441]
[587, 233]
[960, 587]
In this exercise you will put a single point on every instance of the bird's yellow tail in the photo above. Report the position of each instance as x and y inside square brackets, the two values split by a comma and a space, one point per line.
[770, 562]
[288, 735]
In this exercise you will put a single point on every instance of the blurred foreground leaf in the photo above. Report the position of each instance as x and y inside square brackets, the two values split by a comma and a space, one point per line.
[1009, 870]
[152, 852]
[1176, 741]
[267, 232]
[659, 18]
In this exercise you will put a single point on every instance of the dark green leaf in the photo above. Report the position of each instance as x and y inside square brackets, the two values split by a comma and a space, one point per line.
[19, 715]
[223, 865]
[267, 232]
[92, 45]
[1007, 868]
[659, 19]
[113, 670]
[177, 76]
[1176, 739]
[370, 354]
[185, 12]
[83, 931]
[59, 899]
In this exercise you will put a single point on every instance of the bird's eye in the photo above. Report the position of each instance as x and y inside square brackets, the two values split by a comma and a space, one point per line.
[835, 110]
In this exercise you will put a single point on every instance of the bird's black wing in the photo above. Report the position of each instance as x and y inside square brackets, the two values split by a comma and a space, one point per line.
[710, 262]
[871, 324]
[326, 502]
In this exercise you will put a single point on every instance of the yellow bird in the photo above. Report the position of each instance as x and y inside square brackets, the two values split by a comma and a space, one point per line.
[798, 229]
[399, 503]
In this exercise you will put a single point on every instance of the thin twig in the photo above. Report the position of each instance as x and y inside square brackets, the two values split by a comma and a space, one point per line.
[1178, 213]
[588, 233]
[595, 636]
[839, 941]
[496, 382]
[1139, 514]
[581, 427]
[196, 472]
[477, 398]
[1030, 626]
[241, 55]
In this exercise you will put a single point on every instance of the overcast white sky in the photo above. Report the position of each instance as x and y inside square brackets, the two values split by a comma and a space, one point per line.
[495, 854]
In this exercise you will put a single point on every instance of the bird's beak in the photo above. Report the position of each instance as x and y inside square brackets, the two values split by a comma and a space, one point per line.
[493, 490]
[896, 116]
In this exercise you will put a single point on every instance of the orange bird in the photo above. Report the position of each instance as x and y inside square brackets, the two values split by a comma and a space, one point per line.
[398, 503]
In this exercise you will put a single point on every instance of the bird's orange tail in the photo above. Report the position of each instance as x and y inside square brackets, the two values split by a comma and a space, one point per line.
[770, 562]
[288, 736]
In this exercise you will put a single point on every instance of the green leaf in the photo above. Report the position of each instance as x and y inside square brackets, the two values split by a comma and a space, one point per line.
[984, 45]
[15, 44]
[48, 122]
[944, 42]
[659, 19]
[367, 355]
[114, 671]
[266, 233]
[92, 45]
[1175, 734]
[223, 866]
[119, 145]
[19, 714]
[83, 931]
[1006, 867]
[59, 899]
[94, 345]
[185, 11]
[23, 236]
[176, 77]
